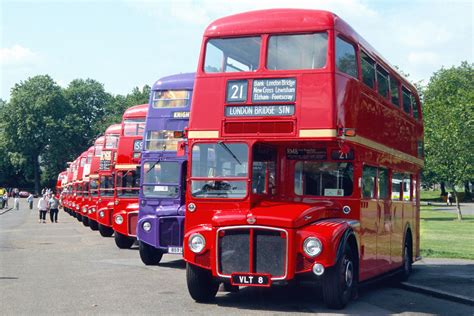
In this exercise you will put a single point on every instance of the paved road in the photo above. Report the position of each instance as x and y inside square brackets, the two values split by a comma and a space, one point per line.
[66, 268]
[466, 208]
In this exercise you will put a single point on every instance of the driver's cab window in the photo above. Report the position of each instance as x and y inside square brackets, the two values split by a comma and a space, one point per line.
[263, 169]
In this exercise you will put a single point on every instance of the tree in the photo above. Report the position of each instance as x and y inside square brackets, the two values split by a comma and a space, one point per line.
[32, 119]
[449, 126]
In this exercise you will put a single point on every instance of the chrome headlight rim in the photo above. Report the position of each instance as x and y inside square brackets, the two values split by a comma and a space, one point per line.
[195, 246]
[312, 246]
[118, 219]
[146, 226]
[101, 214]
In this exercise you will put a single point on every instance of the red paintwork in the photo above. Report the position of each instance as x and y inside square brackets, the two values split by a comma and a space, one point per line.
[94, 176]
[104, 202]
[127, 207]
[325, 99]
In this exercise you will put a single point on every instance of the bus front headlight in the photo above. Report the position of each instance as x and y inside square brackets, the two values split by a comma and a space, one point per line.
[312, 246]
[196, 243]
[118, 219]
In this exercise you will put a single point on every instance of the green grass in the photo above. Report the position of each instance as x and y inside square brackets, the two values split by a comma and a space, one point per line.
[443, 236]
[430, 196]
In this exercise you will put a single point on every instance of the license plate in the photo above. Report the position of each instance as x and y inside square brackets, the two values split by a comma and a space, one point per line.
[250, 279]
[177, 250]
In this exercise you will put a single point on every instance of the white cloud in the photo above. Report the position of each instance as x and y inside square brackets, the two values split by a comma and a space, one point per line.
[17, 55]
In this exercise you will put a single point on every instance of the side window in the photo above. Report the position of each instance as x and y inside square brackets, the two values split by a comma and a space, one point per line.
[394, 92]
[406, 187]
[346, 57]
[382, 82]
[368, 182]
[397, 181]
[382, 184]
[368, 71]
[406, 95]
[414, 106]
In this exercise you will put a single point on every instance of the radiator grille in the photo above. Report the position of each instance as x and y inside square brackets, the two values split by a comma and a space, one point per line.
[252, 251]
[171, 233]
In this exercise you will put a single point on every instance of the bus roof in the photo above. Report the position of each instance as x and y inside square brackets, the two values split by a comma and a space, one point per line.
[99, 141]
[114, 129]
[136, 111]
[179, 81]
[291, 21]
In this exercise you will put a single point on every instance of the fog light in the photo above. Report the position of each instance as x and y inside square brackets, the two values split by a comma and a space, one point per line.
[196, 243]
[312, 246]
[101, 214]
[118, 219]
[146, 226]
[90, 211]
[93, 210]
[318, 269]
[84, 210]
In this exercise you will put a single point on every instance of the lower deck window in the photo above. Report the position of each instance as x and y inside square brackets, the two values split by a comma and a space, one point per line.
[323, 178]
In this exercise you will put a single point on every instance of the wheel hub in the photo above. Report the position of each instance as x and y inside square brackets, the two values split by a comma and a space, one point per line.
[348, 275]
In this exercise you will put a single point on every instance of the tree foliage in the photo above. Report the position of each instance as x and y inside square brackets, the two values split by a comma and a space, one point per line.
[449, 126]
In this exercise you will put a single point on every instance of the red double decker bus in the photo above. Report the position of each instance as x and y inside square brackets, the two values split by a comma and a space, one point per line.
[105, 204]
[127, 179]
[94, 157]
[305, 148]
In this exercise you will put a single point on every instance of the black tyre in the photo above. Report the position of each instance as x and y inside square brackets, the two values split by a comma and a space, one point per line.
[105, 231]
[79, 217]
[407, 260]
[340, 281]
[201, 285]
[93, 224]
[123, 242]
[149, 254]
[85, 221]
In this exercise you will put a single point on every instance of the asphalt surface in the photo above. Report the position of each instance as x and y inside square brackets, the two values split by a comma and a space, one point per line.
[66, 268]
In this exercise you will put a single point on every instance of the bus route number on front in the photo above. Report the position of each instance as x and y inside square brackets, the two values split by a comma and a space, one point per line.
[236, 91]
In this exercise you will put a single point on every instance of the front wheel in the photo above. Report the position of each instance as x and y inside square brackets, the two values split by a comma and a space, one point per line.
[340, 281]
[122, 241]
[201, 285]
[79, 217]
[85, 221]
[407, 261]
[105, 231]
[149, 254]
[93, 224]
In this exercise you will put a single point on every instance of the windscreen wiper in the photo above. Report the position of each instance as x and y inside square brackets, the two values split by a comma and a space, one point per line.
[221, 143]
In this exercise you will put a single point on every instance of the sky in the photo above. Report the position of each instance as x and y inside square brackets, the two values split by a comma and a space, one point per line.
[127, 44]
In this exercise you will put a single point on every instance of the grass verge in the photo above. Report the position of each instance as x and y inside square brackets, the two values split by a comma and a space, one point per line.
[443, 236]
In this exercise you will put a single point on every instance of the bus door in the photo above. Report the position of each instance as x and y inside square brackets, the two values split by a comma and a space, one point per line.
[397, 219]
[385, 220]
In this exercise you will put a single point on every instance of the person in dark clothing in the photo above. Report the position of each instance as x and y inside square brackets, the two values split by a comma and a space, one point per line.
[53, 208]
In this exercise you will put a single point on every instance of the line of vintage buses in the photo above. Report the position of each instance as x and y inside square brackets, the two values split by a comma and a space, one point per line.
[301, 161]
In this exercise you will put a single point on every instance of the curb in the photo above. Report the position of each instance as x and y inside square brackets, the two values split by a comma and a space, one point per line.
[8, 209]
[437, 293]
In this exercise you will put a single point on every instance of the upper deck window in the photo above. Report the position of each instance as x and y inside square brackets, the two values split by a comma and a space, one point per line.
[232, 54]
[170, 98]
[97, 150]
[414, 106]
[293, 52]
[395, 93]
[323, 178]
[111, 141]
[382, 82]
[406, 98]
[134, 127]
[368, 70]
[346, 57]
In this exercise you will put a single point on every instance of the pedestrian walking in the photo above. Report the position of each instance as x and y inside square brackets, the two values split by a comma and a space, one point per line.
[53, 208]
[5, 199]
[449, 200]
[2, 192]
[29, 199]
[16, 199]
[43, 208]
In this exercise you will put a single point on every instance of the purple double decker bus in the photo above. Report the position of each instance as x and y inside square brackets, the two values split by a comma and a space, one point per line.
[160, 225]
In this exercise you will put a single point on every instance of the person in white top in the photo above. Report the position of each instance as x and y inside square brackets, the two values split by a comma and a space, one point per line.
[43, 208]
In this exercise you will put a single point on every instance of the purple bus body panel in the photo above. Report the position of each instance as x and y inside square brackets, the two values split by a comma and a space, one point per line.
[166, 215]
